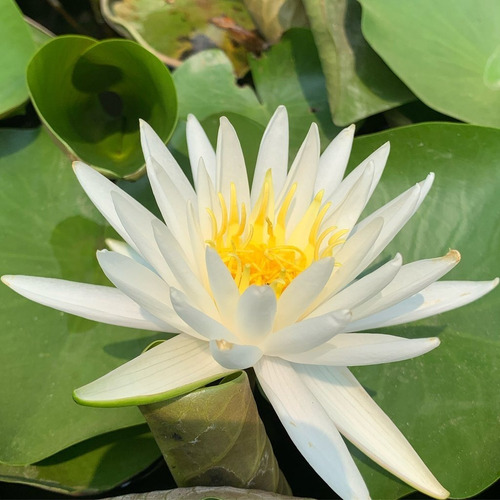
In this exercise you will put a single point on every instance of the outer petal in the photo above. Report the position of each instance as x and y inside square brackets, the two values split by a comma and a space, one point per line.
[273, 154]
[199, 147]
[367, 426]
[358, 349]
[306, 334]
[140, 230]
[98, 303]
[347, 212]
[154, 148]
[123, 248]
[437, 298]
[173, 368]
[255, 313]
[142, 286]
[395, 214]
[378, 158]
[310, 428]
[333, 161]
[234, 356]
[361, 290]
[410, 279]
[200, 322]
[99, 190]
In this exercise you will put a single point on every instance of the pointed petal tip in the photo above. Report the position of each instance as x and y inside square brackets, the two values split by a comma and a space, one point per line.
[453, 255]
[6, 279]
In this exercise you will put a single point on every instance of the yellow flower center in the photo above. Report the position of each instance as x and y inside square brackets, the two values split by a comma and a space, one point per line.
[256, 248]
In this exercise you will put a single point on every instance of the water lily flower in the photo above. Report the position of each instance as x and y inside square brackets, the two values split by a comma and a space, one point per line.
[269, 278]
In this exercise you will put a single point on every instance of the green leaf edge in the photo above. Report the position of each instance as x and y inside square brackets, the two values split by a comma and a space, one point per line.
[153, 398]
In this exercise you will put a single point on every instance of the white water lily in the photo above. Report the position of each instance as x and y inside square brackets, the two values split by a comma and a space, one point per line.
[265, 278]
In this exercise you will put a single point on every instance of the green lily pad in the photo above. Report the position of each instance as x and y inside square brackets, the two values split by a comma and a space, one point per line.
[274, 17]
[173, 30]
[50, 228]
[39, 33]
[91, 95]
[447, 52]
[91, 467]
[446, 402]
[17, 49]
[359, 83]
[290, 74]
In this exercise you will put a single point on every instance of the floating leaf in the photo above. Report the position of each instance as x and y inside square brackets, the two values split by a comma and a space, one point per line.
[214, 436]
[359, 83]
[446, 402]
[173, 30]
[91, 467]
[17, 49]
[290, 74]
[448, 52]
[274, 17]
[91, 95]
[50, 228]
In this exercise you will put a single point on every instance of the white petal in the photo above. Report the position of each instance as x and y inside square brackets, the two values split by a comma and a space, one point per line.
[300, 293]
[310, 428]
[99, 190]
[234, 356]
[378, 158]
[199, 147]
[231, 164]
[187, 280]
[348, 210]
[255, 313]
[223, 286]
[437, 298]
[172, 204]
[361, 421]
[358, 349]
[123, 248]
[197, 244]
[139, 228]
[198, 320]
[98, 303]
[361, 290]
[154, 148]
[141, 285]
[351, 259]
[303, 173]
[410, 279]
[333, 161]
[172, 368]
[396, 214]
[207, 201]
[306, 334]
[273, 154]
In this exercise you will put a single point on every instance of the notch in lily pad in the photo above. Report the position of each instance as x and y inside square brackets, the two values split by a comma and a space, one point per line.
[92, 94]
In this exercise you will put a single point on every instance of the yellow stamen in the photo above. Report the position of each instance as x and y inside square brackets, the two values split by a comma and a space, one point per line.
[256, 249]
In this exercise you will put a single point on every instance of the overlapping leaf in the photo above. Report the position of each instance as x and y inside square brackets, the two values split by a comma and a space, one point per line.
[447, 52]
[17, 49]
[359, 83]
[91, 95]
